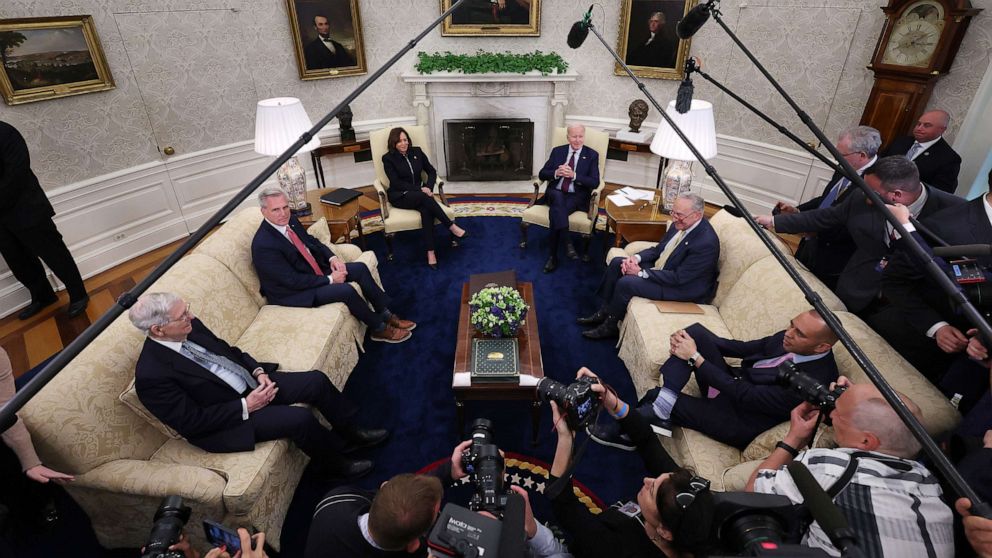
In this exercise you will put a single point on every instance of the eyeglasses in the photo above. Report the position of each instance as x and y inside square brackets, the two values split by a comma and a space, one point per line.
[680, 216]
[851, 153]
[186, 316]
[696, 485]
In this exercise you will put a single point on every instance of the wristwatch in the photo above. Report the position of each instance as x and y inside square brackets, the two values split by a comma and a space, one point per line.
[692, 360]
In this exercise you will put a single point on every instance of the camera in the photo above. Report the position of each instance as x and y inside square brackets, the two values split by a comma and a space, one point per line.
[809, 388]
[577, 400]
[168, 524]
[460, 532]
[750, 524]
[484, 464]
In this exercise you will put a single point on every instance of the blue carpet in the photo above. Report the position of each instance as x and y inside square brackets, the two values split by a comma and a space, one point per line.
[407, 387]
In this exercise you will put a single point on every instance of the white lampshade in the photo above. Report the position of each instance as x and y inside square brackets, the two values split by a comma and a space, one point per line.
[697, 125]
[279, 122]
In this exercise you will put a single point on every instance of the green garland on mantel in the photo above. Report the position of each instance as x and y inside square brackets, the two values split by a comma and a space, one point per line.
[483, 62]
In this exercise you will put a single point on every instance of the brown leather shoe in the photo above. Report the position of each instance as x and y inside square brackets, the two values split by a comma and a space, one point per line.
[400, 323]
[391, 335]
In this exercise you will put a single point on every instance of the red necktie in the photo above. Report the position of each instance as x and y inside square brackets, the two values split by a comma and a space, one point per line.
[303, 251]
[566, 183]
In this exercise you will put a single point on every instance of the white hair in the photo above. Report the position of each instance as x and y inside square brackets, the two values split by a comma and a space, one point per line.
[270, 192]
[698, 204]
[875, 415]
[152, 309]
[575, 127]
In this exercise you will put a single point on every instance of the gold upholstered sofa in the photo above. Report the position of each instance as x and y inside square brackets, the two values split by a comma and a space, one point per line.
[88, 421]
[756, 298]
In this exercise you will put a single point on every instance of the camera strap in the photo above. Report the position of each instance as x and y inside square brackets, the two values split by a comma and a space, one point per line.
[556, 487]
[845, 478]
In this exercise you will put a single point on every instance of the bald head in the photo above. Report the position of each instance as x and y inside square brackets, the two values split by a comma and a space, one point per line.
[863, 419]
[931, 125]
[808, 334]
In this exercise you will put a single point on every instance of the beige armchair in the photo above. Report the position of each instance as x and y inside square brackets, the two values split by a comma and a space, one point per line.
[582, 222]
[393, 218]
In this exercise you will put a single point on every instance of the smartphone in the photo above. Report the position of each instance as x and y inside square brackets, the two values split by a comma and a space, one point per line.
[219, 535]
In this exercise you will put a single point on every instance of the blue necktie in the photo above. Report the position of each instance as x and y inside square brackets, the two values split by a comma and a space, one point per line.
[219, 365]
[828, 200]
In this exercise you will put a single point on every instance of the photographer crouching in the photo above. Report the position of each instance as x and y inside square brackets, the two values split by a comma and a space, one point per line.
[891, 502]
[671, 514]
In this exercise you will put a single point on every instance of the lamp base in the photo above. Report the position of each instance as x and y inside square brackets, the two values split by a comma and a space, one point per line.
[303, 211]
[293, 179]
[678, 179]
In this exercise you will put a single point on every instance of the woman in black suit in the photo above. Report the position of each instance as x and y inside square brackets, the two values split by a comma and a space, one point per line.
[404, 164]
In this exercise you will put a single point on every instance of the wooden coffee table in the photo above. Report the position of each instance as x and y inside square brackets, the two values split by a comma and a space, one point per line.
[641, 221]
[340, 219]
[529, 348]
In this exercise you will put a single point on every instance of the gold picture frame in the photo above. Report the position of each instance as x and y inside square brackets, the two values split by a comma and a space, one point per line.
[493, 18]
[327, 38]
[659, 54]
[51, 57]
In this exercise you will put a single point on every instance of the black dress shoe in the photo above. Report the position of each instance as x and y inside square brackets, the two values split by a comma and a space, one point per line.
[570, 251]
[595, 319]
[78, 307]
[35, 307]
[605, 330]
[551, 264]
[367, 438]
[347, 470]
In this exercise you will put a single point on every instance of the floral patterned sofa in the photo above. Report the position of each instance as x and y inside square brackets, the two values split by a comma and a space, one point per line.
[755, 298]
[88, 421]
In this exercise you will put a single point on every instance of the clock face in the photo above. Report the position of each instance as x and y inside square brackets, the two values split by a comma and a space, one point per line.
[915, 35]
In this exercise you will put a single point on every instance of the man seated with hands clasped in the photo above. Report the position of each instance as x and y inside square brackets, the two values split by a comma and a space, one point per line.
[669, 516]
[222, 400]
[736, 404]
[891, 501]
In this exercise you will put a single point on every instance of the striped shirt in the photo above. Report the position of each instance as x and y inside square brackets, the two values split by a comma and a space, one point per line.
[893, 505]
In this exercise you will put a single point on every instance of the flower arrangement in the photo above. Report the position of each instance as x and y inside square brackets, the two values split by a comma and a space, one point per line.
[497, 311]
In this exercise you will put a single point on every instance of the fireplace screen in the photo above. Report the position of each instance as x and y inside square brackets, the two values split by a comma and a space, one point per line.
[488, 150]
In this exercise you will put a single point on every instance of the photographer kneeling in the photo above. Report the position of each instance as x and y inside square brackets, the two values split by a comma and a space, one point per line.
[670, 516]
[891, 502]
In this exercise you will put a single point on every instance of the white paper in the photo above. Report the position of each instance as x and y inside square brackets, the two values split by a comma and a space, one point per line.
[637, 193]
[528, 380]
[619, 200]
[462, 379]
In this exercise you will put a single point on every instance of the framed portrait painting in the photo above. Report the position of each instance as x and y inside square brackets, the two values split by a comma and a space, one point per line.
[493, 18]
[327, 36]
[51, 57]
[647, 40]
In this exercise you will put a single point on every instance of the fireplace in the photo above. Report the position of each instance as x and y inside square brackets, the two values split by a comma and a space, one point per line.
[486, 150]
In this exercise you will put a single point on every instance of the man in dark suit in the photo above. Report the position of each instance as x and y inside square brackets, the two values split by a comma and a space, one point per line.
[324, 52]
[920, 322]
[222, 400]
[827, 252]
[897, 181]
[736, 404]
[296, 269]
[938, 163]
[28, 235]
[682, 267]
[572, 173]
[657, 49]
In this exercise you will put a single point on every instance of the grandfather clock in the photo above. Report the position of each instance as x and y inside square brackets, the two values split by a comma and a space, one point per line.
[917, 46]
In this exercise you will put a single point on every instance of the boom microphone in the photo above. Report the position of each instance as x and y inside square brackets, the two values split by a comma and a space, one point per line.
[824, 511]
[695, 19]
[580, 30]
[683, 99]
[964, 250]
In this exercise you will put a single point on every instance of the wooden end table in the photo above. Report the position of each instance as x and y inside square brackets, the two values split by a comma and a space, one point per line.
[529, 348]
[641, 221]
[340, 219]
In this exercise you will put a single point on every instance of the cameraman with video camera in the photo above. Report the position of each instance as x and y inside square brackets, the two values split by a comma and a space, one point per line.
[670, 516]
[891, 502]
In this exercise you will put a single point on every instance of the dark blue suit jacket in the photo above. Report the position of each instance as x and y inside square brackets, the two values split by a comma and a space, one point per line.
[398, 172]
[690, 273]
[750, 403]
[586, 171]
[185, 396]
[285, 276]
[939, 165]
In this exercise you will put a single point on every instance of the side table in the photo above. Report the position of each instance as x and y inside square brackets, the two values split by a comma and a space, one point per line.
[334, 149]
[340, 219]
[641, 221]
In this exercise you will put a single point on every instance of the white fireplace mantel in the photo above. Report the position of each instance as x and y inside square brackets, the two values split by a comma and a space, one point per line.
[442, 96]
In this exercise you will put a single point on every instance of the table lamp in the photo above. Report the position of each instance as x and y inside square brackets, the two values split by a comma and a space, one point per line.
[279, 122]
[699, 128]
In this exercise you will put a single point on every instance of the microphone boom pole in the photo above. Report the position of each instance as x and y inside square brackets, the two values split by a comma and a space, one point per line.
[950, 473]
[59, 361]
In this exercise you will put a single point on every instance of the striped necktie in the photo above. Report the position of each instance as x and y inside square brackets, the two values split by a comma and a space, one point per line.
[914, 151]
[224, 368]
